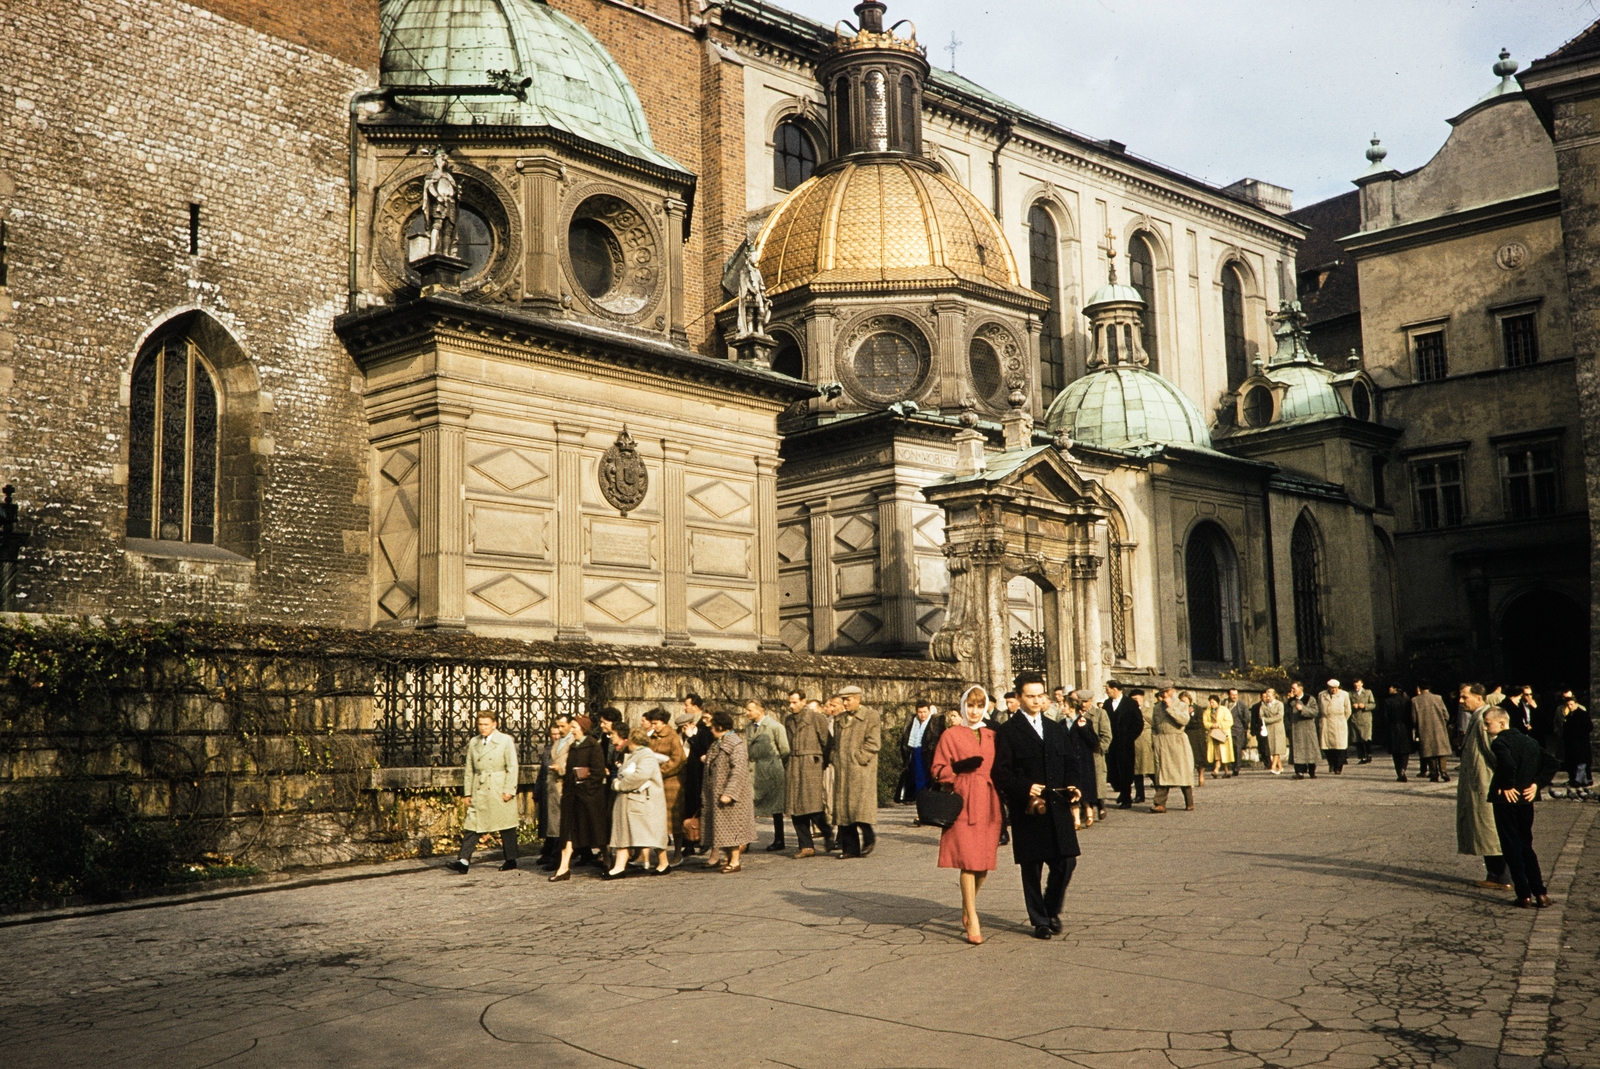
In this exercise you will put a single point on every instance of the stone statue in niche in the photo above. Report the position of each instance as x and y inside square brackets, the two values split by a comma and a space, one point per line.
[754, 308]
[441, 205]
[623, 477]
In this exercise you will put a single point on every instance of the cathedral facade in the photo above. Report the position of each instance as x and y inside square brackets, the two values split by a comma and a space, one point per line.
[658, 323]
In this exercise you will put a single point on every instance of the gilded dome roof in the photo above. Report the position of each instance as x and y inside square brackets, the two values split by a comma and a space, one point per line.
[883, 221]
[1122, 405]
[576, 86]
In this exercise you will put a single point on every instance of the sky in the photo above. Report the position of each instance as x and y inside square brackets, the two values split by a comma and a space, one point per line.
[1286, 91]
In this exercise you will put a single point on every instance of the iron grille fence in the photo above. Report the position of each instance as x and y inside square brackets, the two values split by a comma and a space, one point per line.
[1028, 652]
[427, 710]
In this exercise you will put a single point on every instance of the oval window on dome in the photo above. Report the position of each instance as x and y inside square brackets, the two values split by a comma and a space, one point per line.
[988, 383]
[595, 256]
[1257, 407]
[888, 363]
[1361, 400]
[613, 256]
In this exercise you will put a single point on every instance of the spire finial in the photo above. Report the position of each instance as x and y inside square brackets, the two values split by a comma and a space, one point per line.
[1376, 152]
[869, 15]
[1111, 257]
[1506, 67]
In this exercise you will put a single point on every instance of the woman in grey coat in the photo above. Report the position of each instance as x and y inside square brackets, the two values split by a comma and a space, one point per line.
[727, 812]
[639, 802]
[1275, 743]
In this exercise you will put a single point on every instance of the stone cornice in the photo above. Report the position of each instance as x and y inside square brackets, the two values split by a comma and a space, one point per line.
[1544, 204]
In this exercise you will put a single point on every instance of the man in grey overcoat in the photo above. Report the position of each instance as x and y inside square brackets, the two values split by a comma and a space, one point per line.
[1305, 741]
[767, 744]
[1433, 733]
[1169, 745]
[857, 738]
[805, 786]
[489, 783]
[1363, 703]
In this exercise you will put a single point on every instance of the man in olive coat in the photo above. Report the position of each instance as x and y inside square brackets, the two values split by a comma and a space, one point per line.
[805, 787]
[1305, 741]
[1169, 743]
[1363, 703]
[1475, 829]
[1433, 733]
[857, 738]
[1036, 763]
[489, 783]
[767, 745]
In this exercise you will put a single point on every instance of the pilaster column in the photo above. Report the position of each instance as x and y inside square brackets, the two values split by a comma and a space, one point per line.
[819, 340]
[896, 566]
[569, 532]
[1088, 567]
[674, 242]
[442, 519]
[541, 204]
[767, 553]
[822, 618]
[951, 317]
[675, 546]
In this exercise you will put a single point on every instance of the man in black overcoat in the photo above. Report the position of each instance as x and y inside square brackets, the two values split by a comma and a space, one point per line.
[1127, 724]
[1036, 757]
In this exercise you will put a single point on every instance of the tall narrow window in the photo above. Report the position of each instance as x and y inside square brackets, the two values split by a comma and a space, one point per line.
[1531, 476]
[877, 113]
[1432, 363]
[794, 157]
[172, 446]
[908, 114]
[1439, 499]
[843, 134]
[1519, 336]
[1211, 572]
[1380, 492]
[1142, 277]
[1118, 596]
[1044, 266]
[1233, 340]
[194, 230]
[1305, 561]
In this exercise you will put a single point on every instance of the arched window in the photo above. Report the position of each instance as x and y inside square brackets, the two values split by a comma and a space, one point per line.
[1211, 571]
[172, 445]
[794, 157]
[1305, 561]
[1044, 266]
[843, 141]
[788, 360]
[908, 114]
[1233, 340]
[1117, 583]
[1142, 277]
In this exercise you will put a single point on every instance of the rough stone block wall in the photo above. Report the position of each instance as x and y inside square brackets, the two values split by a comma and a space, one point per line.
[115, 117]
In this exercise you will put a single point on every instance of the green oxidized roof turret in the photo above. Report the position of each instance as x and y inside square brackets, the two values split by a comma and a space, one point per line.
[576, 86]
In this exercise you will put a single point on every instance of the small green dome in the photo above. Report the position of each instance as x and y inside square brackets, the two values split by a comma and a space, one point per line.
[1122, 405]
[1310, 392]
[1110, 292]
[577, 87]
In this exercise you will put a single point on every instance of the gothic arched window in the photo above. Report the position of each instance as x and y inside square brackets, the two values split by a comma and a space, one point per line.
[172, 445]
[794, 156]
[1305, 562]
[1044, 266]
[1142, 277]
[843, 140]
[1211, 571]
[1233, 339]
[908, 114]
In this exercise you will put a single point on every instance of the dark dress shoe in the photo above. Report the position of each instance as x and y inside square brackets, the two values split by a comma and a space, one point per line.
[869, 848]
[457, 866]
[1042, 932]
[1313, 773]
[775, 847]
[1543, 901]
[1005, 836]
[1524, 903]
[509, 865]
[1055, 925]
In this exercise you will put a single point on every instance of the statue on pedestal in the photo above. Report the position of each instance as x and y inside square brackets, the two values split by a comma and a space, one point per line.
[754, 308]
[440, 206]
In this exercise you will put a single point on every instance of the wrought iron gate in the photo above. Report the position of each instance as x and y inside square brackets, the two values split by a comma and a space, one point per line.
[427, 710]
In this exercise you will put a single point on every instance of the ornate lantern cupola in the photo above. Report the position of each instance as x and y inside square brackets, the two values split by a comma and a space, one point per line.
[874, 84]
[1115, 323]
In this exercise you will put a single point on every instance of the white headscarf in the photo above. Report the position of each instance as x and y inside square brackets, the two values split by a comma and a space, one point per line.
[961, 709]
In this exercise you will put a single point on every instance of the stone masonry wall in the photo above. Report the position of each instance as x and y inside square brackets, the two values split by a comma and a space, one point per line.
[115, 117]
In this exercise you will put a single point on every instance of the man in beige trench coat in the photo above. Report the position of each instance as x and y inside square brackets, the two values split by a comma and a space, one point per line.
[489, 783]
[857, 738]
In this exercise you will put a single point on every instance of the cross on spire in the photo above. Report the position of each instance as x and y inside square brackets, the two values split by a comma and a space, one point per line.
[951, 48]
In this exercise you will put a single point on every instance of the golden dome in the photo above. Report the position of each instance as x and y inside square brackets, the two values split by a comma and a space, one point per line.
[887, 221]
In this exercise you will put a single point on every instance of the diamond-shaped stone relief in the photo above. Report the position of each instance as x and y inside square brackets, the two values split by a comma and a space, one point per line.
[400, 514]
[399, 464]
[509, 594]
[860, 627]
[796, 634]
[719, 499]
[930, 622]
[856, 533]
[621, 601]
[396, 600]
[793, 543]
[928, 532]
[509, 469]
[399, 551]
[721, 609]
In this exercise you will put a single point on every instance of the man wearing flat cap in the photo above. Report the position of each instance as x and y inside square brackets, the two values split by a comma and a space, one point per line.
[853, 753]
[1333, 716]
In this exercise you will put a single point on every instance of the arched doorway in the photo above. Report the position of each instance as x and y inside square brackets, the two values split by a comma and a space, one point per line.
[1544, 642]
[1211, 568]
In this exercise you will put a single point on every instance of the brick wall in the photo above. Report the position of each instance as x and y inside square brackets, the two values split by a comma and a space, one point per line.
[114, 117]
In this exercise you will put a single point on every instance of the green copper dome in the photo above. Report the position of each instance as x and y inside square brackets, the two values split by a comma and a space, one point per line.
[577, 87]
[1310, 392]
[1123, 405]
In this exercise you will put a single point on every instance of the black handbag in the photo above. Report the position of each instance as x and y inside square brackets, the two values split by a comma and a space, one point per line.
[939, 808]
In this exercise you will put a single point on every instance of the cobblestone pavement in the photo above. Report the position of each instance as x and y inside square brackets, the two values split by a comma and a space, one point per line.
[1319, 923]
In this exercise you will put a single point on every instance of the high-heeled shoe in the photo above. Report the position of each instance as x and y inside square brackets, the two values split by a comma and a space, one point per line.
[558, 877]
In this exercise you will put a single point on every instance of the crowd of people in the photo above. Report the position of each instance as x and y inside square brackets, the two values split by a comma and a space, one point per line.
[1031, 769]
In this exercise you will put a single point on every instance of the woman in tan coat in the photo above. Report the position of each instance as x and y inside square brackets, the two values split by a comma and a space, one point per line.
[1218, 722]
[663, 738]
[1144, 761]
[727, 809]
[1173, 753]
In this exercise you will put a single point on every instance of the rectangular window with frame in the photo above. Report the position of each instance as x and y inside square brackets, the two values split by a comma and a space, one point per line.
[1531, 477]
[1519, 338]
[1440, 501]
[1432, 364]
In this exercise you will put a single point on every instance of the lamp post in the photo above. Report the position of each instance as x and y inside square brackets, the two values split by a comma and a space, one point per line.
[11, 540]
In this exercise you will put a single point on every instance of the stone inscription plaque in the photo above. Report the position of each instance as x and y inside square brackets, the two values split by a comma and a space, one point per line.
[619, 543]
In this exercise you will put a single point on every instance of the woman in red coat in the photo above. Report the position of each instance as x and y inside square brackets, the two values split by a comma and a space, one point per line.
[964, 759]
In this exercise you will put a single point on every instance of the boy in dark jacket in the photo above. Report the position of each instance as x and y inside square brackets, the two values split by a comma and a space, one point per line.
[1511, 793]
